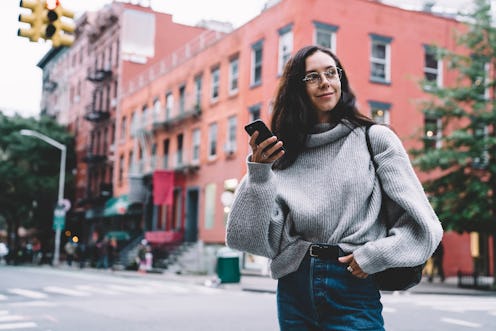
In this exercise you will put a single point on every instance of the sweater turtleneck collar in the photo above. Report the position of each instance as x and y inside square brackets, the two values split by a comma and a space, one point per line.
[324, 133]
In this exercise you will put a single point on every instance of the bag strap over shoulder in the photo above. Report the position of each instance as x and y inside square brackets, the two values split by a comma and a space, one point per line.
[369, 146]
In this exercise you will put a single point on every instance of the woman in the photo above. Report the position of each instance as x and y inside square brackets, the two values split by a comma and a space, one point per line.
[313, 207]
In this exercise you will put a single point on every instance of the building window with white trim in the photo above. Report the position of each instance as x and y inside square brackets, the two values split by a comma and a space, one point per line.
[214, 92]
[212, 141]
[380, 59]
[432, 67]
[233, 75]
[380, 112]
[232, 126]
[169, 105]
[195, 152]
[325, 35]
[256, 63]
[432, 132]
[285, 47]
[198, 92]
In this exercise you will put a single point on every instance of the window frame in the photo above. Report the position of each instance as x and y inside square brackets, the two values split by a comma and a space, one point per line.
[377, 40]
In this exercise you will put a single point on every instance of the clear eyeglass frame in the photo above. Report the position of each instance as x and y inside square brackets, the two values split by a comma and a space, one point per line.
[330, 74]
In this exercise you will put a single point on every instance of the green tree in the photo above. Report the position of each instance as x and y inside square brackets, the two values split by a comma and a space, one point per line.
[29, 174]
[463, 161]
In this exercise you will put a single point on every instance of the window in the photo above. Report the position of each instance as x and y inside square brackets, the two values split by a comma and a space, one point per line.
[121, 170]
[233, 74]
[195, 152]
[212, 140]
[285, 47]
[380, 112]
[169, 105]
[179, 155]
[123, 128]
[480, 78]
[432, 132]
[153, 159]
[481, 134]
[182, 99]
[166, 153]
[432, 66]
[256, 63]
[210, 199]
[325, 35]
[146, 116]
[380, 59]
[214, 93]
[156, 109]
[255, 112]
[230, 146]
[198, 91]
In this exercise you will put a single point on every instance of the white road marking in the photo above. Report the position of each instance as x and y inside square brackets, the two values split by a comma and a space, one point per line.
[65, 291]
[11, 318]
[34, 304]
[3, 297]
[389, 310]
[27, 293]
[460, 322]
[14, 326]
[89, 288]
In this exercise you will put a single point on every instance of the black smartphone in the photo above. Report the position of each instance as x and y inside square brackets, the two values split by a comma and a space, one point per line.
[263, 133]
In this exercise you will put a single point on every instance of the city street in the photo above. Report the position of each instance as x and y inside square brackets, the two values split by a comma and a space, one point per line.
[49, 299]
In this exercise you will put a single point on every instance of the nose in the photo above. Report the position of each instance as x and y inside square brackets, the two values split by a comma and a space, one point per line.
[324, 81]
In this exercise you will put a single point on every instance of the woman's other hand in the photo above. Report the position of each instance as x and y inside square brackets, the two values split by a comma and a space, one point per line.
[353, 266]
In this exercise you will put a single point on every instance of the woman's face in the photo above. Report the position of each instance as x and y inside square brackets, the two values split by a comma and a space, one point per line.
[324, 90]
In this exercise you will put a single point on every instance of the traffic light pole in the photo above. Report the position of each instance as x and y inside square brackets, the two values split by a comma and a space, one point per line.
[63, 149]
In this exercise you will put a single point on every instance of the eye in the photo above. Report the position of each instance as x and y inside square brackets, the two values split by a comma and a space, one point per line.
[311, 77]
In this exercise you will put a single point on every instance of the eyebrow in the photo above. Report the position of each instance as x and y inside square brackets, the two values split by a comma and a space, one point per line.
[327, 68]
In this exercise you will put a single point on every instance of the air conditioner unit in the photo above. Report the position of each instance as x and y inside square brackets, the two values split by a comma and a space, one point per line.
[113, 102]
[229, 148]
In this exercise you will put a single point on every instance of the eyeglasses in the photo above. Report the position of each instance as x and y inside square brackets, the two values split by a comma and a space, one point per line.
[316, 78]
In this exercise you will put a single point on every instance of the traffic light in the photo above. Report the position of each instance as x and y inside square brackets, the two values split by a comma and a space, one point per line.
[59, 25]
[35, 19]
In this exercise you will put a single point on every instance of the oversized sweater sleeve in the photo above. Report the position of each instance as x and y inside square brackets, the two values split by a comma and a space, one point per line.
[255, 222]
[416, 231]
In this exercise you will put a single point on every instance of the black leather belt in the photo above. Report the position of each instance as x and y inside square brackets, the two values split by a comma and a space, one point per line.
[319, 251]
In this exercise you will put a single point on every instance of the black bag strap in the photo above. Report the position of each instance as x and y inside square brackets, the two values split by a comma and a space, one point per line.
[376, 166]
[369, 147]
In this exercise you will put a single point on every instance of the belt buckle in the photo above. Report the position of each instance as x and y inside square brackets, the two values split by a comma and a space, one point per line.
[312, 254]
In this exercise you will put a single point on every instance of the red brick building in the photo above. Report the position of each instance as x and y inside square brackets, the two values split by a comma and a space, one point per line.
[178, 118]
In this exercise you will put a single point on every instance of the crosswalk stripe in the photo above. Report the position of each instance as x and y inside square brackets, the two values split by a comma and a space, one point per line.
[13, 326]
[93, 289]
[66, 291]
[11, 318]
[27, 293]
[129, 289]
[460, 322]
[3, 297]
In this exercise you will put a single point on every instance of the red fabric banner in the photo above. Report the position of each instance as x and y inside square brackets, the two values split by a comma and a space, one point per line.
[163, 187]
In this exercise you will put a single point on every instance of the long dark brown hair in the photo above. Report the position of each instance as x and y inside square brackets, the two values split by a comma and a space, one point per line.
[294, 115]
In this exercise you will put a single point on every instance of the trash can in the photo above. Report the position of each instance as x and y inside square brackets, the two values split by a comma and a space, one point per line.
[228, 269]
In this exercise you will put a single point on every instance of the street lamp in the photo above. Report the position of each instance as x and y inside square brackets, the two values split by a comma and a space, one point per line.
[54, 143]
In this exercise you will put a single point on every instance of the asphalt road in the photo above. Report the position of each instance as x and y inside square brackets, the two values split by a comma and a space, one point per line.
[34, 298]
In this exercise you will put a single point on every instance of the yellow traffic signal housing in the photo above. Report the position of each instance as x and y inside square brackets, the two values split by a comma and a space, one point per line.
[58, 25]
[35, 19]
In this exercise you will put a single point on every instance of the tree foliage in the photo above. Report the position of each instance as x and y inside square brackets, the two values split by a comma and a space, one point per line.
[29, 171]
[463, 167]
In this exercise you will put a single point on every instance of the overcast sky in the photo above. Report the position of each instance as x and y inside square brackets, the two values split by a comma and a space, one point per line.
[20, 79]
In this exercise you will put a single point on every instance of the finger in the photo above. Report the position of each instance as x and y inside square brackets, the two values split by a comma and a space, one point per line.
[274, 148]
[346, 259]
[252, 142]
[264, 144]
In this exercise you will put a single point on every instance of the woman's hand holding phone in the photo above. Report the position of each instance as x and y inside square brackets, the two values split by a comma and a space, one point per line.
[264, 145]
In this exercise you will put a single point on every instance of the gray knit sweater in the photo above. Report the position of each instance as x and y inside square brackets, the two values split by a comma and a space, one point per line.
[332, 195]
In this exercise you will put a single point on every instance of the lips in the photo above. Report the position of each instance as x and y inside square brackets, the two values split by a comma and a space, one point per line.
[325, 95]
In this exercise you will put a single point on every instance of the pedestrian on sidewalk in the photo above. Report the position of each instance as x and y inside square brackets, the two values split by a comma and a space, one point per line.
[313, 208]
[437, 264]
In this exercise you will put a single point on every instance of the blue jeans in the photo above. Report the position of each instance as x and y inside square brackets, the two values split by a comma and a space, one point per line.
[323, 295]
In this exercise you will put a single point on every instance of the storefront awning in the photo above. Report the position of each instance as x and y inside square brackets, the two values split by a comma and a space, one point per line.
[116, 206]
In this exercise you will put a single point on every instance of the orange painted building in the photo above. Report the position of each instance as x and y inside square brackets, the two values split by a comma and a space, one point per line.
[184, 117]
